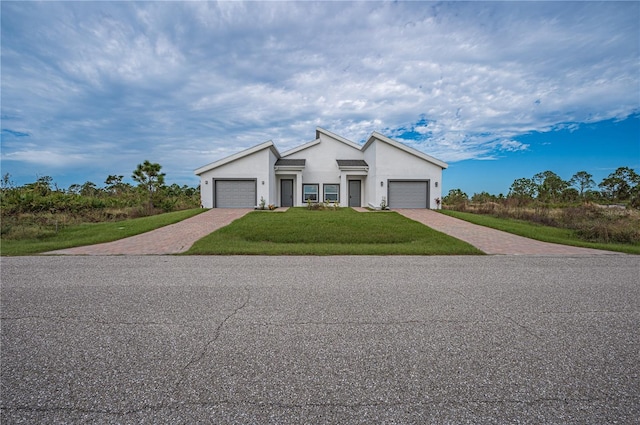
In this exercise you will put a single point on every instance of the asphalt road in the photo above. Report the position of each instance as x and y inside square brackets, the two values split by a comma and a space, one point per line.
[293, 340]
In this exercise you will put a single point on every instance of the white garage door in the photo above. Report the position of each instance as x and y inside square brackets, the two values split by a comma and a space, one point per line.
[408, 194]
[235, 194]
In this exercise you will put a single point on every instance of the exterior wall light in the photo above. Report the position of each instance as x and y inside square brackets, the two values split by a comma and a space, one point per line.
[381, 184]
[206, 182]
[436, 184]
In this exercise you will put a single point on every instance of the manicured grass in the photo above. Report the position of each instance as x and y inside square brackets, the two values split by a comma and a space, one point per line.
[300, 231]
[540, 232]
[93, 233]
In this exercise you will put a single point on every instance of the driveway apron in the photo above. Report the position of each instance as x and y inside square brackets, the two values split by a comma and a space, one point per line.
[172, 239]
[492, 241]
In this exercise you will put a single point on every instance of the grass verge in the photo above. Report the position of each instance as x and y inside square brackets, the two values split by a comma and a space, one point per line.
[540, 232]
[328, 232]
[93, 233]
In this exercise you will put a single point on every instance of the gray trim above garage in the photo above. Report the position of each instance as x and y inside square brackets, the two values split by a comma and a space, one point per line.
[235, 193]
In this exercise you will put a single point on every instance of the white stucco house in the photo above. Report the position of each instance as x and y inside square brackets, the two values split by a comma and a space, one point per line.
[329, 168]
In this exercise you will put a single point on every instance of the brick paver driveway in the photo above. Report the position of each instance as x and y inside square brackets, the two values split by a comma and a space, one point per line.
[172, 239]
[492, 241]
[179, 237]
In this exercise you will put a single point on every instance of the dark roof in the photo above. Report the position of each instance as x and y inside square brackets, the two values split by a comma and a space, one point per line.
[352, 163]
[290, 162]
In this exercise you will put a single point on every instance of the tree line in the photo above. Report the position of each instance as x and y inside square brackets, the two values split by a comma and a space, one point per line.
[151, 195]
[621, 186]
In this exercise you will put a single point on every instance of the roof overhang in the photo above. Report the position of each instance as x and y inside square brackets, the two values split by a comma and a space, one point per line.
[284, 164]
[352, 165]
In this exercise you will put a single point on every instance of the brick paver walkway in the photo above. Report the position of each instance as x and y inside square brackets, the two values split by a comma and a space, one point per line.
[492, 241]
[172, 239]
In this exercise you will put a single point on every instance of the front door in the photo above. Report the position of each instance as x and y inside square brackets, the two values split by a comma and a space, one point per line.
[354, 193]
[286, 193]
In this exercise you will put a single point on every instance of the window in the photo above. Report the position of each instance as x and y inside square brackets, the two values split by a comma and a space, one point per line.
[310, 192]
[331, 192]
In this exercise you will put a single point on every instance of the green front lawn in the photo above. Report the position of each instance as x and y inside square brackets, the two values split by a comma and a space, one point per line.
[93, 233]
[540, 232]
[300, 231]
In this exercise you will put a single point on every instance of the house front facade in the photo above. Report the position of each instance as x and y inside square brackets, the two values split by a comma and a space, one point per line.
[329, 168]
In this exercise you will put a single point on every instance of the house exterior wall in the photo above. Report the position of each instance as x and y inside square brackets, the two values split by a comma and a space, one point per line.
[273, 186]
[392, 163]
[321, 166]
[257, 166]
[371, 197]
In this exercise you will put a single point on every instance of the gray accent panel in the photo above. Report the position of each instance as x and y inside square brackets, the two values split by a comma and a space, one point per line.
[408, 193]
[290, 162]
[235, 193]
[352, 163]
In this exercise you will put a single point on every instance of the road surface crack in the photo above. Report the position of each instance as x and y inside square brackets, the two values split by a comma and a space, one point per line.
[216, 334]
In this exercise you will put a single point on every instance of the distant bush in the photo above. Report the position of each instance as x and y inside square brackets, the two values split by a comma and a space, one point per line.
[36, 209]
[591, 222]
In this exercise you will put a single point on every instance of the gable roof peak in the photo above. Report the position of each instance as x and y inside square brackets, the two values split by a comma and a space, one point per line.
[320, 130]
[381, 137]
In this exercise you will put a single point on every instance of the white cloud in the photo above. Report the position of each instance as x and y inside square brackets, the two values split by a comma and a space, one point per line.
[45, 157]
[152, 78]
[512, 145]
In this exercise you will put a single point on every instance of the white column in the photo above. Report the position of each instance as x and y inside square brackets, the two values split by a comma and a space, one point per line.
[344, 190]
[297, 197]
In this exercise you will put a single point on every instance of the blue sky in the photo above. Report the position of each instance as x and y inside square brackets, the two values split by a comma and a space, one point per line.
[499, 90]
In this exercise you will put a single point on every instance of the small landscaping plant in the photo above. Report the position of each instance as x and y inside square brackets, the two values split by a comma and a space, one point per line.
[326, 205]
[383, 204]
